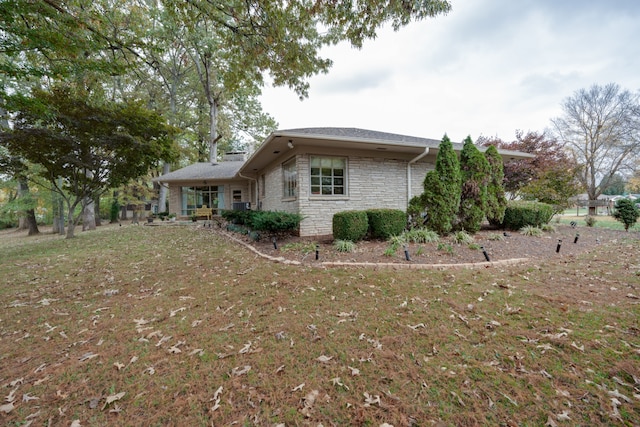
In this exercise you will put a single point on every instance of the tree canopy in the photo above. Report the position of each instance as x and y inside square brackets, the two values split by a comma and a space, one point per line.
[549, 177]
[600, 127]
[85, 149]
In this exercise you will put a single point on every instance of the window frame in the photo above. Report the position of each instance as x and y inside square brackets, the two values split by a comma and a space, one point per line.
[290, 182]
[327, 178]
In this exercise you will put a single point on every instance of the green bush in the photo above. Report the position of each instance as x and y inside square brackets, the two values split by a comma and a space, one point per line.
[626, 212]
[384, 223]
[496, 200]
[476, 173]
[350, 225]
[519, 214]
[421, 235]
[462, 237]
[441, 196]
[274, 221]
[237, 217]
[267, 221]
[344, 246]
[530, 230]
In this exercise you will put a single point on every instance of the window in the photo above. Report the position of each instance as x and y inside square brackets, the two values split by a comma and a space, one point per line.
[328, 176]
[289, 179]
[197, 197]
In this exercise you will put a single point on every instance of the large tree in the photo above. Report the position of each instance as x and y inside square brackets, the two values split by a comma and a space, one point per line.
[92, 147]
[549, 176]
[600, 127]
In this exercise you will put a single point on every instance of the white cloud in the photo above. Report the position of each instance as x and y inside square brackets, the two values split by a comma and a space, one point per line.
[489, 68]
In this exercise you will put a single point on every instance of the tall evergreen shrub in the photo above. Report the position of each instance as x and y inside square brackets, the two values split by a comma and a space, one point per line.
[496, 200]
[626, 212]
[441, 197]
[474, 169]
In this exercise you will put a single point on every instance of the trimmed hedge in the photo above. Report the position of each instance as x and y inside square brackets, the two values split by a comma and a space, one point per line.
[350, 225]
[268, 221]
[519, 214]
[384, 223]
[237, 217]
[275, 221]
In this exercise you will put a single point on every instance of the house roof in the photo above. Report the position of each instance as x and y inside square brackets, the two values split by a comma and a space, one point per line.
[281, 141]
[201, 171]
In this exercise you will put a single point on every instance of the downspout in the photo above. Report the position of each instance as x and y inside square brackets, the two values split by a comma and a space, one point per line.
[255, 186]
[414, 160]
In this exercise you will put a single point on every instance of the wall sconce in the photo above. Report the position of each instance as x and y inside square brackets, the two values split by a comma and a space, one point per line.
[290, 144]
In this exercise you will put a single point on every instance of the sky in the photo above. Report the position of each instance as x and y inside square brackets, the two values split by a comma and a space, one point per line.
[487, 68]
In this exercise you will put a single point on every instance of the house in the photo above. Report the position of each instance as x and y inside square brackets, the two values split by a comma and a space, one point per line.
[312, 171]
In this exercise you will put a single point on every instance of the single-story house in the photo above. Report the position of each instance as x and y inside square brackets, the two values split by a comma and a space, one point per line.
[312, 171]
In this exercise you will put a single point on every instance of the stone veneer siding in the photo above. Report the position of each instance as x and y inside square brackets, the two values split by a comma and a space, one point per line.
[372, 182]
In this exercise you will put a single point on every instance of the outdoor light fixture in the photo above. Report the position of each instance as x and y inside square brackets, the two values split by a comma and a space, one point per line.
[576, 238]
[559, 244]
[290, 144]
[484, 252]
[406, 253]
[275, 244]
[317, 252]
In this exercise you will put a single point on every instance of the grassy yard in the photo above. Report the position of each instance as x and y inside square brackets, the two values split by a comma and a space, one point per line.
[157, 326]
[602, 221]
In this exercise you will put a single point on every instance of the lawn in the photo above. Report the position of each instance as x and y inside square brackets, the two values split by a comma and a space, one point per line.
[601, 221]
[156, 326]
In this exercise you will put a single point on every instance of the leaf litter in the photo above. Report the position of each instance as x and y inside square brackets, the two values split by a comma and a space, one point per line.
[398, 347]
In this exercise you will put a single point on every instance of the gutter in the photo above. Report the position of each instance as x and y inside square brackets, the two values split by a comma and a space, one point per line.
[255, 186]
[412, 161]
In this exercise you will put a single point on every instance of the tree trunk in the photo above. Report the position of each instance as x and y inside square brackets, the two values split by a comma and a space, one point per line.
[97, 210]
[23, 192]
[71, 223]
[162, 196]
[28, 220]
[32, 223]
[89, 216]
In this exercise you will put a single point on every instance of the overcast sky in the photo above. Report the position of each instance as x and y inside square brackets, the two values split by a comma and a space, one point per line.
[489, 67]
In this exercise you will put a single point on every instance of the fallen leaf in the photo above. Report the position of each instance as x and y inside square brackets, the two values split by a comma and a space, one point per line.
[87, 356]
[354, 371]
[323, 359]
[113, 398]
[76, 423]
[298, 387]
[118, 365]
[6, 408]
[11, 396]
[550, 422]
[238, 371]
[576, 346]
[564, 416]
[26, 397]
[371, 399]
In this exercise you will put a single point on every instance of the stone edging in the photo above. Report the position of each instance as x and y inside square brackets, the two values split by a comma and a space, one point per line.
[468, 265]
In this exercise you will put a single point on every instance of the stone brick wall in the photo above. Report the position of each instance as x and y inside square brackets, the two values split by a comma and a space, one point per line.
[372, 182]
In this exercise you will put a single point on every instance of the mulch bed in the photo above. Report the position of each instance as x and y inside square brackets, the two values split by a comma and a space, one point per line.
[513, 246]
